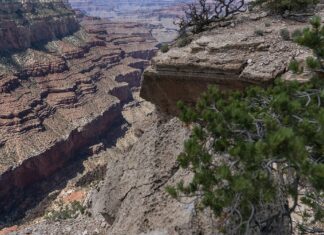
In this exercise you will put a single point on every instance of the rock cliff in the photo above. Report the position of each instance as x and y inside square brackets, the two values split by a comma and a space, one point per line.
[26, 23]
[61, 94]
[248, 50]
[73, 90]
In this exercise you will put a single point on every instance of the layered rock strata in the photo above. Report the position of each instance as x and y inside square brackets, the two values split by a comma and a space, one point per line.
[26, 23]
[158, 15]
[58, 98]
[231, 57]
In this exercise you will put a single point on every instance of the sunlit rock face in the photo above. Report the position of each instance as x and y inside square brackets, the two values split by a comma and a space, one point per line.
[231, 57]
[158, 15]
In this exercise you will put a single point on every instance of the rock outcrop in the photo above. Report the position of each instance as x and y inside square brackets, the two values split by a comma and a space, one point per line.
[26, 23]
[244, 52]
[60, 96]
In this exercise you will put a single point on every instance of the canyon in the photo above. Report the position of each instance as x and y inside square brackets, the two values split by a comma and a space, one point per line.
[62, 88]
[159, 16]
[79, 123]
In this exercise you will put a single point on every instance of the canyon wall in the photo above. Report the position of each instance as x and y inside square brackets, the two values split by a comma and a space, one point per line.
[26, 23]
[61, 95]
[158, 15]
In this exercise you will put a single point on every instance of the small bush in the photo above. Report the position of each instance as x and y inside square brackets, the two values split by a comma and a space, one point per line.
[165, 48]
[267, 24]
[285, 34]
[294, 66]
[183, 41]
[280, 6]
[259, 32]
[313, 39]
[66, 212]
[296, 33]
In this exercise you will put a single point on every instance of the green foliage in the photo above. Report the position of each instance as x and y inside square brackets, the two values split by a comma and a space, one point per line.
[280, 6]
[250, 151]
[295, 67]
[285, 34]
[259, 32]
[183, 41]
[69, 211]
[296, 33]
[164, 48]
[313, 39]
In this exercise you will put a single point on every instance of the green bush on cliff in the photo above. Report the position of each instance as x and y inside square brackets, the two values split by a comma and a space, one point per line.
[255, 155]
[164, 48]
[313, 39]
[280, 6]
[258, 155]
[65, 212]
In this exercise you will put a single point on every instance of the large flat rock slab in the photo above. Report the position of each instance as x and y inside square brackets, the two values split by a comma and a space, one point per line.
[231, 57]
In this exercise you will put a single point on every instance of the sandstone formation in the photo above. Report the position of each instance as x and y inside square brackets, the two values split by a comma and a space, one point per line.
[62, 95]
[232, 57]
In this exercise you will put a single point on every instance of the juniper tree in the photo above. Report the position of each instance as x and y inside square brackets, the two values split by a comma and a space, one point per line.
[312, 38]
[199, 14]
[256, 155]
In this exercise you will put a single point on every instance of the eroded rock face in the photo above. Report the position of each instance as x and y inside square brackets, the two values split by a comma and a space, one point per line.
[58, 98]
[26, 23]
[232, 57]
[132, 198]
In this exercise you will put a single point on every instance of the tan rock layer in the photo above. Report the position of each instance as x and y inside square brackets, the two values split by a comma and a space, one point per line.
[232, 57]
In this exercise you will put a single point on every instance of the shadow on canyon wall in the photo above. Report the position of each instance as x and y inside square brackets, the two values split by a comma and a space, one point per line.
[30, 202]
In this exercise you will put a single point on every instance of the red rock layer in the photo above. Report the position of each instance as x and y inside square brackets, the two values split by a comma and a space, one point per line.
[56, 100]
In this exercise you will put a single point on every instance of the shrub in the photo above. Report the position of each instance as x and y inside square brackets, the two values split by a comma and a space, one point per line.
[280, 6]
[313, 39]
[294, 66]
[285, 34]
[164, 48]
[296, 33]
[201, 13]
[251, 152]
[66, 212]
[183, 41]
[259, 32]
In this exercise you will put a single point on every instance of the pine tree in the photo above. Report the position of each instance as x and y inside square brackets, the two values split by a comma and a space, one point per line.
[313, 38]
[258, 154]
